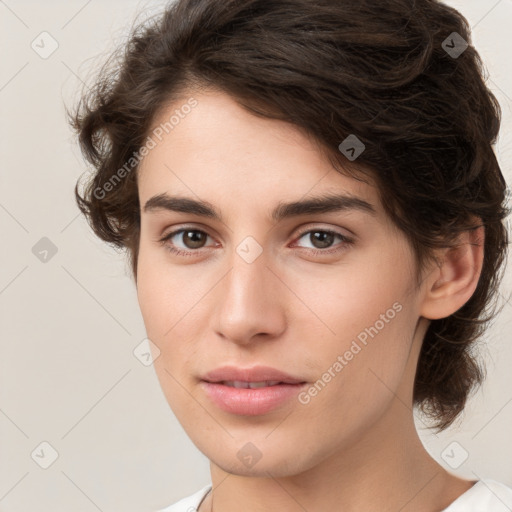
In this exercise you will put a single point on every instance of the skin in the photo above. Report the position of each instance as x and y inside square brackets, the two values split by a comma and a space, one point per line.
[354, 446]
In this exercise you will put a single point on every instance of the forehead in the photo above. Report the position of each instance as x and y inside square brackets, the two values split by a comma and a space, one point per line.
[218, 150]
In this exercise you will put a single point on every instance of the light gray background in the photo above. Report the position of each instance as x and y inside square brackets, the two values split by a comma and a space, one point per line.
[69, 326]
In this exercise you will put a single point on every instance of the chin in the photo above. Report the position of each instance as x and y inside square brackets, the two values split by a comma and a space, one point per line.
[270, 467]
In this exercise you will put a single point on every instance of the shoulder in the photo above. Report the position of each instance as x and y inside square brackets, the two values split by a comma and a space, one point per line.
[189, 503]
[486, 495]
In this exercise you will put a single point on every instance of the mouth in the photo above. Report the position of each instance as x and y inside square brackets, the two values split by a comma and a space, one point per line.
[251, 398]
[251, 391]
[239, 384]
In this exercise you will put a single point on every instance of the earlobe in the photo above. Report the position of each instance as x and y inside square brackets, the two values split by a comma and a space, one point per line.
[456, 277]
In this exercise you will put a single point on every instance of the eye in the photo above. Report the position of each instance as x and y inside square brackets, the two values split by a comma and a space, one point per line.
[191, 238]
[321, 240]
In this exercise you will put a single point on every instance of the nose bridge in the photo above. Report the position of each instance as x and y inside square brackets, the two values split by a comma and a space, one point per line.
[248, 295]
[247, 281]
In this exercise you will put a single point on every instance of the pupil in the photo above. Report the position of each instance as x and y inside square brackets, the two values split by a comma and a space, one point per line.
[324, 239]
[195, 238]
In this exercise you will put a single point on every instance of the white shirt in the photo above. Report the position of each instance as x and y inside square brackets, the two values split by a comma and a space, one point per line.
[485, 496]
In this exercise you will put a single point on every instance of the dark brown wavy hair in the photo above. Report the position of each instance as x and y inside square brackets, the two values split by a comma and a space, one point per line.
[379, 70]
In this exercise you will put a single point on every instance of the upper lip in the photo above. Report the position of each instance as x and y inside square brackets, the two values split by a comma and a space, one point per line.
[253, 374]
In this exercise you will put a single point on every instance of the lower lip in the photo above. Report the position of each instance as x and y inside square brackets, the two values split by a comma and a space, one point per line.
[250, 402]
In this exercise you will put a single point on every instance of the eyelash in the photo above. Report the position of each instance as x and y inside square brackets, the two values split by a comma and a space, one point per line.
[346, 241]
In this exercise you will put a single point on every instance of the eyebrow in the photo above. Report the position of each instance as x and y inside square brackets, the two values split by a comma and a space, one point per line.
[322, 204]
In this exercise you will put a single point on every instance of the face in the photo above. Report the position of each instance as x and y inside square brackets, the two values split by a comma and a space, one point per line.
[325, 296]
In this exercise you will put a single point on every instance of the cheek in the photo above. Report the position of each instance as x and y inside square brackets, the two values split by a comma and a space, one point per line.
[160, 301]
[167, 309]
[165, 294]
[152, 298]
[364, 324]
[348, 299]
[173, 309]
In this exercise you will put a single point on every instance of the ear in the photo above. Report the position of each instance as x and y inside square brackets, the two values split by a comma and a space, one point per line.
[452, 283]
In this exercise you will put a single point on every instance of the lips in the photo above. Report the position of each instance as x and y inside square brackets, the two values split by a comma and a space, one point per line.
[250, 391]
[250, 385]
[230, 375]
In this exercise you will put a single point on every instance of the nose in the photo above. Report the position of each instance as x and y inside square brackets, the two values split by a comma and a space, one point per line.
[249, 302]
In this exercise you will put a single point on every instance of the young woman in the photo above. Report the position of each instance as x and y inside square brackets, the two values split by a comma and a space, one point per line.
[313, 212]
